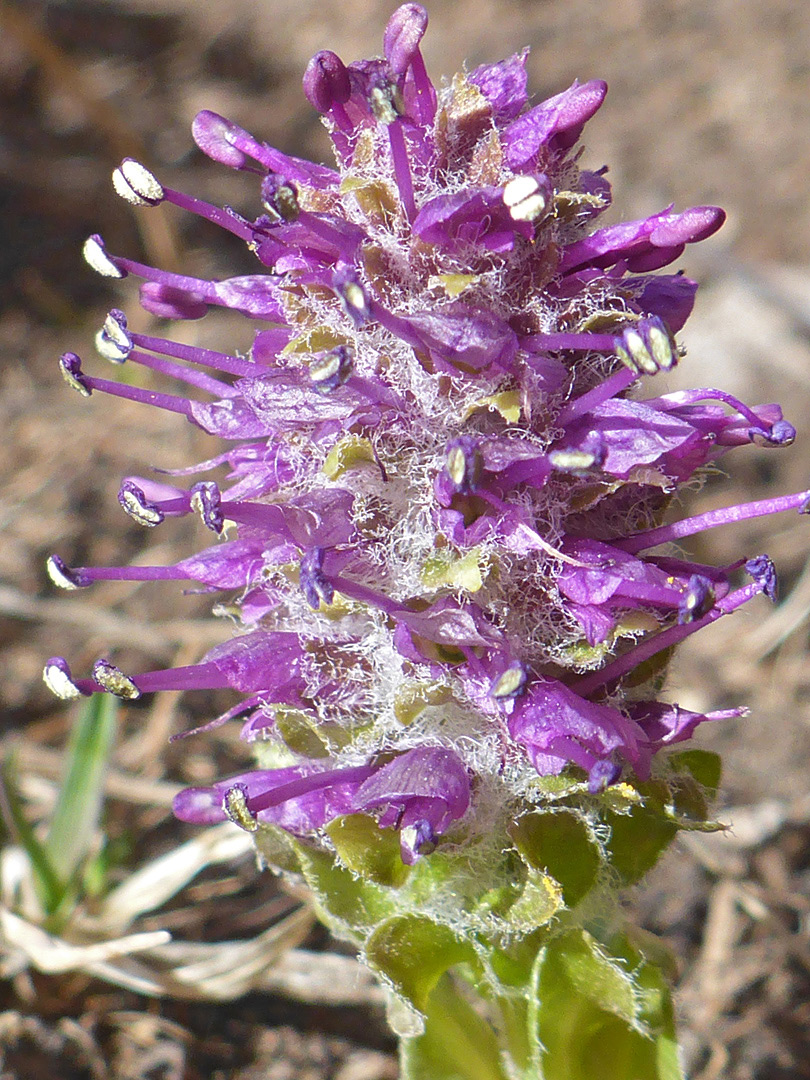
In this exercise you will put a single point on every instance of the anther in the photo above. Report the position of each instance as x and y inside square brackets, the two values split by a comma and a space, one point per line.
[97, 258]
[63, 577]
[114, 681]
[314, 583]
[647, 348]
[348, 288]
[510, 684]
[113, 341]
[419, 838]
[136, 184]
[697, 600]
[56, 676]
[386, 103]
[332, 369]
[464, 463]
[235, 805]
[206, 501]
[134, 502]
[602, 775]
[763, 572]
[280, 198]
[526, 198]
[71, 367]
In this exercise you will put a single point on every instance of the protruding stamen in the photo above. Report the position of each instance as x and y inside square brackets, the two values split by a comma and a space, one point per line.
[402, 168]
[136, 184]
[464, 463]
[730, 514]
[57, 677]
[206, 500]
[280, 198]
[763, 572]
[611, 387]
[71, 367]
[697, 600]
[113, 341]
[510, 684]
[332, 368]
[583, 459]
[647, 347]
[651, 646]
[134, 502]
[235, 805]
[778, 433]
[63, 577]
[114, 681]
[527, 198]
[97, 258]
[355, 301]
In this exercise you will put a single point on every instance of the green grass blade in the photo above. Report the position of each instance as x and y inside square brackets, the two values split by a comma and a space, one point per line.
[47, 882]
[78, 808]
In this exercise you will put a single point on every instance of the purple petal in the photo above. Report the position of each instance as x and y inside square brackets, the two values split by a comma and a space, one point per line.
[504, 85]
[550, 718]
[645, 244]
[556, 123]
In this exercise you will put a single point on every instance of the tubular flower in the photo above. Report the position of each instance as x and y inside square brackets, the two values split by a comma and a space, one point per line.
[447, 481]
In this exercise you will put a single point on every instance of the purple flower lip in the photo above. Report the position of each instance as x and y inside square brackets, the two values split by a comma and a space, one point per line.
[326, 82]
[421, 792]
[404, 31]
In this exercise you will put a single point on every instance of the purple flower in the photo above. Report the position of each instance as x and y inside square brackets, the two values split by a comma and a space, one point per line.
[447, 486]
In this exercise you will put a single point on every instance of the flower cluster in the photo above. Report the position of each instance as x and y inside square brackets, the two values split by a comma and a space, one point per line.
[445, 503]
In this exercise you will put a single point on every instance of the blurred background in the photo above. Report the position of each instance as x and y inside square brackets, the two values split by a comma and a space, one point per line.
[708, 103]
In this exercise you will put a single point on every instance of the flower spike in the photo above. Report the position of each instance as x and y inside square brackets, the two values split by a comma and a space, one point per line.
[438, 521]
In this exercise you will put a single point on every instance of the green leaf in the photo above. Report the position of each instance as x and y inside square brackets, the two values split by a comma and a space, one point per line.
[412, 953]
[540, 901]
[705, 766]
[299, 733]
[346, 903]
[278, 848]
[368, 850]
[595, 975]
[637, 841]
[561, 844]
[76, 816]
[457, 1043]
[590, 1015]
